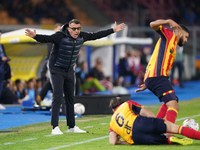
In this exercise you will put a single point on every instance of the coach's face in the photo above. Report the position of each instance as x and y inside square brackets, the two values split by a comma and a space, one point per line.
[183, 38]
[74, 30]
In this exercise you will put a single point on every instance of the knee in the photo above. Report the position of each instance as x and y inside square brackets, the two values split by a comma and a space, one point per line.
[173, 104]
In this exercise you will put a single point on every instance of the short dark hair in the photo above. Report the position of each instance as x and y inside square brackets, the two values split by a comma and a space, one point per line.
[115, 102]
[76, 21]
[17, 81]
[184, 28]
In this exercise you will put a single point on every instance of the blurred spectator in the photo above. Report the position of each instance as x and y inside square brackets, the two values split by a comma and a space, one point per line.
[38, 86]
[124, 68]
[87, 82]
[21, 10]
[20, 89]
[31, 93]
[11, 86]
[178, 63]
[136, 66]
[8, 97]
[145, 56]
[97, 71]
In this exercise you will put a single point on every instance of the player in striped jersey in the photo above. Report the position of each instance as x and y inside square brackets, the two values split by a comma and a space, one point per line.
[137, 125]
[156, 76]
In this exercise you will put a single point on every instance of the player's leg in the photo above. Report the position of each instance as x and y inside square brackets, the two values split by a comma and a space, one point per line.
[167, 95]
[69, 92]
[172, 110]
[162, 88]
[149, 131]
[57, 85]
[162, 111]
[177, 129]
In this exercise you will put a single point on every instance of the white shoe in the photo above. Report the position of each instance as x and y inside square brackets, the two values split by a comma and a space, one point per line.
[56, 131]
[75, 129]
[2, 107]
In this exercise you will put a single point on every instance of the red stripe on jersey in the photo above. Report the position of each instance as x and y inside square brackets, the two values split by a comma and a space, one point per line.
[168, 65]
[168, 36]
[155, 69]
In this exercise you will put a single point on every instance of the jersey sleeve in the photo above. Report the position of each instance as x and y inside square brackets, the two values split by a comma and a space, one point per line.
[54, 38]
[135, 107]
[97, 35]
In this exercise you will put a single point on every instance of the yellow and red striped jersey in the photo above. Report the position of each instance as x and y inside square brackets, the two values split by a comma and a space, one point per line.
[123, 119]
[163, 55]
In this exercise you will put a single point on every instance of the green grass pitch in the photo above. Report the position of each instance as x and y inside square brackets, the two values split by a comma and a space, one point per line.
[37, 136]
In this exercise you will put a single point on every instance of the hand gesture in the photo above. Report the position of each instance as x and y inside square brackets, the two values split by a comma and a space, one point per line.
[119, 27]
[174, 25]
[30, 33]
[142, 88]
[4, 58]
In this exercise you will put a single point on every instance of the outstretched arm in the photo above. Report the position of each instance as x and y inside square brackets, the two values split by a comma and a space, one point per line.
[100, 34]
[155, 24]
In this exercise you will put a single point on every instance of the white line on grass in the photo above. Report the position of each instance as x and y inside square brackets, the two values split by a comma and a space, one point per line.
[49, 135]
[29, 139]
[187, 117]
[90, 140]
[9, 143]
[103, 123]
[87, 127]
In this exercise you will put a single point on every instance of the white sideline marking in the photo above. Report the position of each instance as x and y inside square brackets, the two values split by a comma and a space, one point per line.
[187, 117]
[90, 140]
[87, 127]
[9, 143]
[29, 139]
[103, 123]
[49, 135]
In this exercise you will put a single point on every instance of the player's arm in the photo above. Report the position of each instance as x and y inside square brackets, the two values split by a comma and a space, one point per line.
[97, 35]
[146, 112]
[54, 38]
[114, 139]
[156, 24]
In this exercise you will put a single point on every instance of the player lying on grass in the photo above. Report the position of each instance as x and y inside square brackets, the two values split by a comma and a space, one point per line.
[137, 125]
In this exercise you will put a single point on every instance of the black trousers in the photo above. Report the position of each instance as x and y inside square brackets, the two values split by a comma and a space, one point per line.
[63, 83]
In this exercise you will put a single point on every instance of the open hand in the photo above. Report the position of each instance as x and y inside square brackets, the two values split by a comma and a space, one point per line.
[174, 25]
[119, 27]
[30, 33]
[142, 88]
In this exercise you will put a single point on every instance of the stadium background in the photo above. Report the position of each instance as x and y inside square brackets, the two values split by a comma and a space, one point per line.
[95, 15]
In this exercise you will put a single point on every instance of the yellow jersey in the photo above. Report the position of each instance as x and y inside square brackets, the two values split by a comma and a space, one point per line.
[163, 55]
[123, 118]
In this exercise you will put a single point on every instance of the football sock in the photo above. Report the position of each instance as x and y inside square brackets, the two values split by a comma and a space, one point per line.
[191, 133]
[168, 139]
[162, 112]
[171, 114]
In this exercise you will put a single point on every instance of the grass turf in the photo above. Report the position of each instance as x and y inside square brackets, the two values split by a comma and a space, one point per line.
[37, 136]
